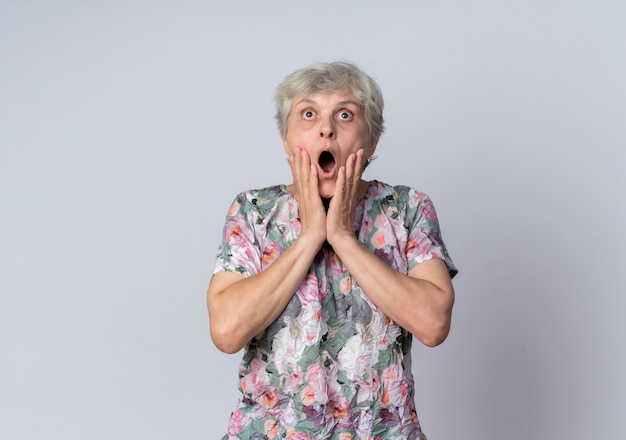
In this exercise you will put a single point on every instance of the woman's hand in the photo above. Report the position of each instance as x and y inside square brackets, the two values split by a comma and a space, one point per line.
[349, 191]
[310, 207]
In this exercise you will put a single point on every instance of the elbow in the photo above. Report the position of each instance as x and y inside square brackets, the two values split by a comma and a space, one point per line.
[223, 331]
[435, 336]
[436, 326]
[435, 333]
[226, 347]
[225, 341]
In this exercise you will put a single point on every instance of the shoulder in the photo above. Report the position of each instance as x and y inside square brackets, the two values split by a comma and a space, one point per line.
[400, 202]
[259, 199]
[398, 194]
[266, 194]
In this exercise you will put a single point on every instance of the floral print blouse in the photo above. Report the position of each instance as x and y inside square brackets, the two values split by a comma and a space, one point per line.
[332, 366]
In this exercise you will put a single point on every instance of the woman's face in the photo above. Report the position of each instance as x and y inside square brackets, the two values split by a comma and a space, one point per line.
[329, 127]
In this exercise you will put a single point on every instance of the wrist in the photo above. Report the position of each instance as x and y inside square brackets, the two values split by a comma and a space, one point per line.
[343, 239]
[311, 241]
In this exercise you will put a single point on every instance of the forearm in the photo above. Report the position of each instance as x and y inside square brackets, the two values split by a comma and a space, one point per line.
[423, 306]
[241, 308]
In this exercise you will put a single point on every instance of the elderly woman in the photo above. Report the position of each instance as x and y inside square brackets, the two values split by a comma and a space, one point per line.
[325, 281]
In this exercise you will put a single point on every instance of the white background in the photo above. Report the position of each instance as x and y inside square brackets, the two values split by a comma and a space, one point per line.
[128, 127]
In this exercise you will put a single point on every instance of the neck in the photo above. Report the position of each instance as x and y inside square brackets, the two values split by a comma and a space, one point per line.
[326, 202]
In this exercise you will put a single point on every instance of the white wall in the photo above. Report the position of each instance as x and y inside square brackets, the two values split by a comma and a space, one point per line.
[127, 127]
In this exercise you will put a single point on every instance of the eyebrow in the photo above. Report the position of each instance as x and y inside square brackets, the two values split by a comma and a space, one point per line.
[339, 104]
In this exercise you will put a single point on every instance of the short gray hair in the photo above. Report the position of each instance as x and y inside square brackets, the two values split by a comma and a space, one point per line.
[337, 76]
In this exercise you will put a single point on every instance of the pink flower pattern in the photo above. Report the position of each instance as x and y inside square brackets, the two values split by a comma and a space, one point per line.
[332, 366]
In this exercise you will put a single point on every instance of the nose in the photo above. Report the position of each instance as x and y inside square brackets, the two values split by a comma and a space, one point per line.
[327, 133]
[327, 128]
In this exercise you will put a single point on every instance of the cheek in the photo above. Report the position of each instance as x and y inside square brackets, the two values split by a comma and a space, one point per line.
[362, 142]
[301, 139]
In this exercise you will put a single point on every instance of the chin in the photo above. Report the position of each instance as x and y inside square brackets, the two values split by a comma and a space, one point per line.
[327, 191]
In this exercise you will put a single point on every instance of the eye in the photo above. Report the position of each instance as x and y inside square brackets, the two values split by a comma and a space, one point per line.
[308, 114]
[345, 115]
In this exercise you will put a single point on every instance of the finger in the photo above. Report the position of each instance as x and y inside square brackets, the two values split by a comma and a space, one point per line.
[294, 161]
[308, 172]
[359, 166]
[353, 174]
[292, 166]
[354, 166]
[301, 169]
[340, 211]
[350, 169]
[313, 178]
[341, 189]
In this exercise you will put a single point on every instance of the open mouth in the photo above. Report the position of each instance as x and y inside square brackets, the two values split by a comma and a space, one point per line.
[326, 161]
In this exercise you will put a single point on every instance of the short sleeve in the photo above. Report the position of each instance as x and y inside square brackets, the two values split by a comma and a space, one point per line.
[424, 239]
[239, 250]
